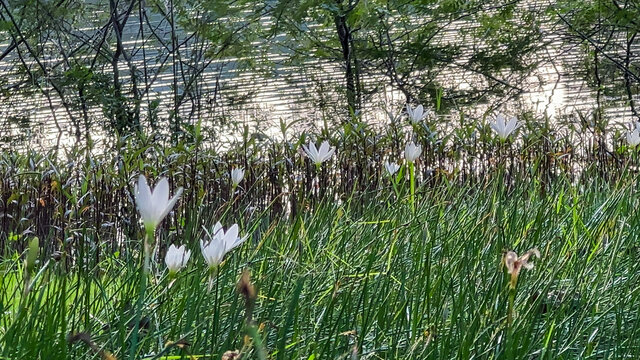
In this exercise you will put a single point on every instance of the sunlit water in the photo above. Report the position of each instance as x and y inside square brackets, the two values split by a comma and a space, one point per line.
[304, 96]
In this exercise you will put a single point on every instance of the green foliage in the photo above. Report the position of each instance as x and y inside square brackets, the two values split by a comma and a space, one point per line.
[409, 44]
[608, 33]
[364, 280]
[81, 57]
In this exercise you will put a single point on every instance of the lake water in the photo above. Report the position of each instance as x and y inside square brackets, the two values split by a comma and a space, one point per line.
[301, 94]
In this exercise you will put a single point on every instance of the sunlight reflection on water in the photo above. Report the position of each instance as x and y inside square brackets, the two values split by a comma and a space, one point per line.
[303, 95]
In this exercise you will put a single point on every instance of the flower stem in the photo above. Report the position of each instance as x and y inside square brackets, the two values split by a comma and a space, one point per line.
[216, 312]
[143, 288]
[147, 258]
[512, 296]
[148, 248]
[413, 187]
[213, 273]
[510, 310]
[232, 194]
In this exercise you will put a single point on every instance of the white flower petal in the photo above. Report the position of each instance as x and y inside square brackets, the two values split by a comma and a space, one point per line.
[159, 198]
[409, 110]
[169, 206]
[177, 258]
[231, 236]
[328, 154]
[238, 242]
[217, 230]
[419, 112]
[187, 256]
[143, 198]
[324, 147]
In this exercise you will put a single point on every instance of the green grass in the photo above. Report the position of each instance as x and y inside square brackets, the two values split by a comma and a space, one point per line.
[369, 281]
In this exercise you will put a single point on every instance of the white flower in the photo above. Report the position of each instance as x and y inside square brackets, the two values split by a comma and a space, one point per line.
[154, 206]
[237, 174]
[391, 168]
[219, 244]
[504, 128]
[412, 152]
[319, 155]
[633, 137]
[176, 258]
[416, 115]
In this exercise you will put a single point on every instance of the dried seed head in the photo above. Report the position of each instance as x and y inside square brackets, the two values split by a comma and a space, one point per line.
[510, 260]
[248, 291]
[245, 287]
[514, 264]
[105, 355]
[231, 355]
[181, 344]
[81, 336]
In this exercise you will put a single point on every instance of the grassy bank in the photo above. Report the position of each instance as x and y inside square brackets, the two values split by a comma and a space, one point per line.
[360, 278]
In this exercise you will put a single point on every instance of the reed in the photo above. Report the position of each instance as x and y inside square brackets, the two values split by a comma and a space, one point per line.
[342, 264]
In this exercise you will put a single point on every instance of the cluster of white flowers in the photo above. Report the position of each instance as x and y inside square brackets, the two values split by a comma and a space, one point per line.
[154, 205]
[505, 128]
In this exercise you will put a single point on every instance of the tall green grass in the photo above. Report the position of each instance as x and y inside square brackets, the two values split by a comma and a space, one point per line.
[360, 278]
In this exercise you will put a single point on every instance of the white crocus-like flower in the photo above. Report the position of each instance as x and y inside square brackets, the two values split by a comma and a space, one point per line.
[504, 128]
[633, 137]
[237, 174]
[154, 205]
[176, 258]
[416, 115]
[412, 152]
[391, 168]
[219, 244]
[319, 155]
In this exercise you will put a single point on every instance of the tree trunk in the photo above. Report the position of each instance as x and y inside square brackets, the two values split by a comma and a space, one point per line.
[344, 35]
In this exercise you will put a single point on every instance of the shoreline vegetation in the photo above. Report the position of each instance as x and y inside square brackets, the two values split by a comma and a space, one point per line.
[327, 179]
[352, 244]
